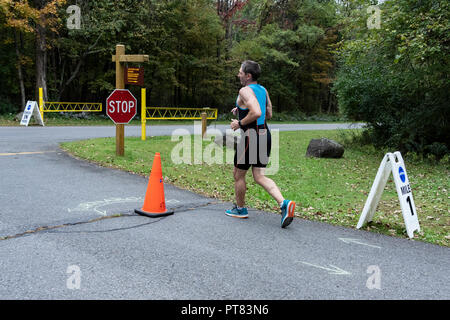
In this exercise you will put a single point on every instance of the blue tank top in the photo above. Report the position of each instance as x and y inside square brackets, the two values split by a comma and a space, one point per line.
[261, 96]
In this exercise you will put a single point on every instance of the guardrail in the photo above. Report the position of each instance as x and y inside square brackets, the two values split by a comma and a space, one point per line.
[170, 113]
[51, 106]
[72, 106]
[162, 113]
[150, 113]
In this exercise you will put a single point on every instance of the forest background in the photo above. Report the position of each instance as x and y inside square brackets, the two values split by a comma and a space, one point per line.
[382, 62]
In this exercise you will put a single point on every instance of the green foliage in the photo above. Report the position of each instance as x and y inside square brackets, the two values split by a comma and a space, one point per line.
[194, 52]
[291, 44]
[6, 106]
[396, 78]
[181, 38]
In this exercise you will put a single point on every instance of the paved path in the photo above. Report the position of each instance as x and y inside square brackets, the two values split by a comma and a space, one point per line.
[58, 215]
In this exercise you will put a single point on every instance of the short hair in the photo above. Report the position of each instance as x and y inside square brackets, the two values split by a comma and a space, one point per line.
[252, 67]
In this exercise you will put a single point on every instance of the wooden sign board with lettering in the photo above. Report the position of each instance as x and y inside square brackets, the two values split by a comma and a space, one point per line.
[134, 76]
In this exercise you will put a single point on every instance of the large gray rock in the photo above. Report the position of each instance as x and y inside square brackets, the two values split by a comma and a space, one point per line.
[75, 115]
[19, 116]
[324, 148]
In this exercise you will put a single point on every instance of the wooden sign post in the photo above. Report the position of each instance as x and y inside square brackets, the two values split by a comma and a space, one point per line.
[119, 58]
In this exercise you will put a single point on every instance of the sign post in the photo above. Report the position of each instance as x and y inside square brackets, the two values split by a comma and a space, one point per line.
[119, 58]
[31, 109]
[392, 162]
[143, 113]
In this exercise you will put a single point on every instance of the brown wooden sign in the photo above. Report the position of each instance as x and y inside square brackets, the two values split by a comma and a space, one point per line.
[134, 76]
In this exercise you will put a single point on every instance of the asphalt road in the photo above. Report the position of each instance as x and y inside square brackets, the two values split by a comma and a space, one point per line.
[68, 231]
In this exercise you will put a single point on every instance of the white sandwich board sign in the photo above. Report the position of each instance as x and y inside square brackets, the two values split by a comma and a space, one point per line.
[392, 162]
[31, 109]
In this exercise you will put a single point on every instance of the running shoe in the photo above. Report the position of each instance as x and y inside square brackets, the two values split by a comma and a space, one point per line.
[237, 213]
[287, 213]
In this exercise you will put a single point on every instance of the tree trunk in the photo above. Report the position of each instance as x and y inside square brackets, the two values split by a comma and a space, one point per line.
[41, 61]
[278, 103]
[218, 50]
[329, 100]
[19, 68]
[74, 74]
[318, 98]
[228, 39]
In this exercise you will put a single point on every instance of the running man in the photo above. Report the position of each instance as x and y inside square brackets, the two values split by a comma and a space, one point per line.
[253, 107]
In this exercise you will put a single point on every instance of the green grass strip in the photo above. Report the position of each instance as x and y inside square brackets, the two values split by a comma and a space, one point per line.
[327, 190]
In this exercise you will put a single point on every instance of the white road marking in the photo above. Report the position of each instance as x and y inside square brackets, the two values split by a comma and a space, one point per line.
[95, 205]
[335, 270]
[349, 240]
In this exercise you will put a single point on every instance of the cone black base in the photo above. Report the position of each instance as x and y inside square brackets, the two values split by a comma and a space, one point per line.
[153, 215]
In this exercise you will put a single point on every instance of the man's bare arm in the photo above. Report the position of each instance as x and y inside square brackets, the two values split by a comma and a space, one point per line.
[269, 108]
[250, 101]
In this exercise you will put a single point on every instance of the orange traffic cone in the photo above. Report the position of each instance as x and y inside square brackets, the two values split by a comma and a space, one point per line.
[154, 203]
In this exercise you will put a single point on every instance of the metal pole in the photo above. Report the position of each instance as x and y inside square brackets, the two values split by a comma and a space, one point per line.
[143, 113]
[41, 103]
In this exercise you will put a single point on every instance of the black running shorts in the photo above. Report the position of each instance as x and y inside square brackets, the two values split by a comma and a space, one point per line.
[254, 149]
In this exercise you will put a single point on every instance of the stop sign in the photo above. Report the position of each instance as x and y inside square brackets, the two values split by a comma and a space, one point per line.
[121, 106]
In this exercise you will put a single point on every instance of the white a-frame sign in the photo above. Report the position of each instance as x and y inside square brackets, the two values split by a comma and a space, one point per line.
[392, 162]
[31, 109]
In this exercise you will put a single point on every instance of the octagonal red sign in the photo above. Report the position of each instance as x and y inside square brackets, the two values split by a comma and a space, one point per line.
[121, 106]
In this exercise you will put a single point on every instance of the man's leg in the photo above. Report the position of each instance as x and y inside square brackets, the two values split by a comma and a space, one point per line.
[268, 184]
[239, 211]
[287, 206]
[240, 186]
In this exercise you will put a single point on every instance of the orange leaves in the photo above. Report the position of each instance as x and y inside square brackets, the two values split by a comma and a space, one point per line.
[22, 16]
[19, 14]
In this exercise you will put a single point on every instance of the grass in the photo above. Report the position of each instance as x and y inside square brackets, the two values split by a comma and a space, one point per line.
[328, 190]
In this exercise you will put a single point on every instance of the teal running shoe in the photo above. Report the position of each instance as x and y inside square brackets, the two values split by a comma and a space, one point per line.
[237, 213]
[287, 213]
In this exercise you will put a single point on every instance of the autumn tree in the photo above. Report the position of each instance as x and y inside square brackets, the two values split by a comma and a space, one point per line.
[40, 18]
[226, 10]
